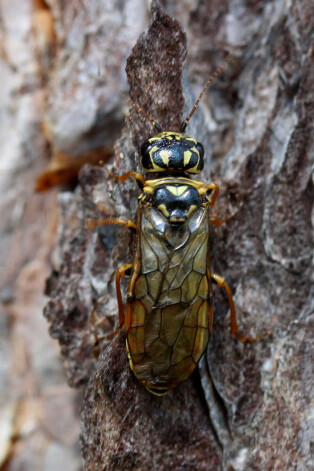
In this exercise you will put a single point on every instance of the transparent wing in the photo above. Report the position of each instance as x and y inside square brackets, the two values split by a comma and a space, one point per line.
[169, 312]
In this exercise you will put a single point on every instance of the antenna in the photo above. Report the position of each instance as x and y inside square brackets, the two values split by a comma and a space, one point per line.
[209, 83]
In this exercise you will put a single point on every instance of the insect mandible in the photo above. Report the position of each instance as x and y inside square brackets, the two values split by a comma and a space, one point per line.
[168, 314]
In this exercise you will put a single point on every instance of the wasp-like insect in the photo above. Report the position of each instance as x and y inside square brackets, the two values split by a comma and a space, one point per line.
[169, 312]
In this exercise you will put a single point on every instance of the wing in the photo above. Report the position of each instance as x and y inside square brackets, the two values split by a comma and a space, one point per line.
[169, 309]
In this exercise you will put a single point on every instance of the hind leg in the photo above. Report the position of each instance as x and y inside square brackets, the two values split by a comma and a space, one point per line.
[121, 271]
[221, 282]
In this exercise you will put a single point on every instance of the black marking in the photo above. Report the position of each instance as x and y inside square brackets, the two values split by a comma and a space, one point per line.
[177, 206]
[175, 146]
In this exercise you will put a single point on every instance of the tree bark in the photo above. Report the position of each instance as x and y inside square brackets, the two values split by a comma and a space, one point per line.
[248, 408]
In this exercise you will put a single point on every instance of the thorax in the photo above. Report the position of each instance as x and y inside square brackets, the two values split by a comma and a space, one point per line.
[175, 197]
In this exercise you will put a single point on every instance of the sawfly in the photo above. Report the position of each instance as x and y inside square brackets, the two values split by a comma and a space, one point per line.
[168, 314]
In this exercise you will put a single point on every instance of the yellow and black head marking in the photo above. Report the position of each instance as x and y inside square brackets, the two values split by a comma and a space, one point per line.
[172, 152]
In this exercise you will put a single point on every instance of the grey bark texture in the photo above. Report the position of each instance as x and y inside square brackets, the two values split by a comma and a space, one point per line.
[249, 405]
[39, 427]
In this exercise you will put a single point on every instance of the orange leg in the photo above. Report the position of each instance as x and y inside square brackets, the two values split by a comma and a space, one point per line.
[217, 222]
[92, 223]
[220, 281]
[214, 192]
[137, 175]
[214, 188]
[121, 271]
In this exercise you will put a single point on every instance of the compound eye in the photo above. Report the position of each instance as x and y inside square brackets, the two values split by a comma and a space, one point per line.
[146, 160]
[144, 147]
[200, 149]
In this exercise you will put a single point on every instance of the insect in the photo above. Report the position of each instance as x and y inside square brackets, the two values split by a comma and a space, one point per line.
[168, 315]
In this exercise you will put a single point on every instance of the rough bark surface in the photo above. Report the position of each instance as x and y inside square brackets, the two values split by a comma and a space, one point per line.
[249, 406]
[49, 79]
[260, 126]
[39, 426]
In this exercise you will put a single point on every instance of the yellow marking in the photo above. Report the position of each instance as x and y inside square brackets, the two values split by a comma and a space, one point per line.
[193, 207]
[193, 149]
[177, 190]
[181, 189]
[163, 209]
[166, 134]
[129, 355]
[155, 138]
[149, 190]
[154, 389]
[155, 166]
[177, 219]
[191, 139]
[187, 157]
[152, 151]
[172, 180]
[165, 155]
[194, 169]
[169, 135]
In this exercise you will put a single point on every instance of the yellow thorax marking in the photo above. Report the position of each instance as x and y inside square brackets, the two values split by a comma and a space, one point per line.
[177, 219]
[151, 184]
[177, 190]
[163, 209]
[193, 207]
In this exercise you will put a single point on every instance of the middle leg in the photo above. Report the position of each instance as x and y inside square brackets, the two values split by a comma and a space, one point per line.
[93, 223]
